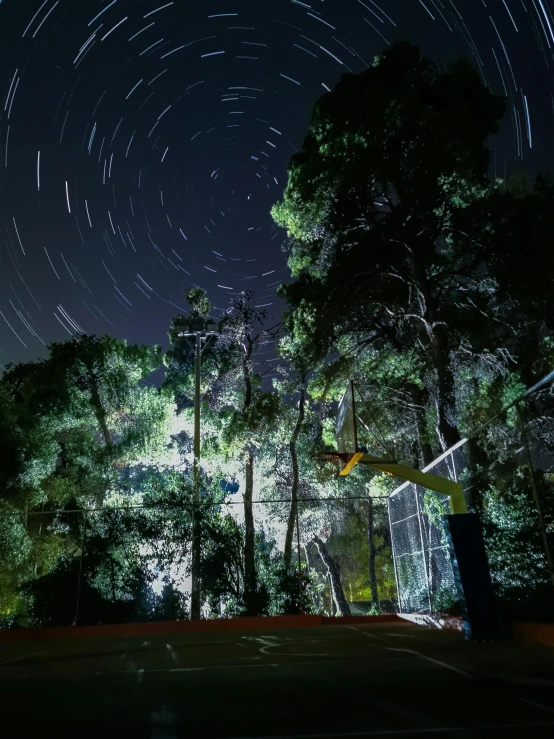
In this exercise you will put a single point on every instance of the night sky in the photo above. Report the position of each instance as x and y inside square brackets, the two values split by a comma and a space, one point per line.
[143, 142]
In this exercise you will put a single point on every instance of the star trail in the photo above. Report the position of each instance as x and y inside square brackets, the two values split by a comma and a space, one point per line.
[143, 143]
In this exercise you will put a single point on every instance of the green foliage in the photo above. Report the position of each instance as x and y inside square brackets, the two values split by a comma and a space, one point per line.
[250, 425]
[514, 545]
[77, 417]
[445, 600]
[180, 357]
[222, 574]
[381, 252]
[350, 547]
[200, 306]
[379, 126]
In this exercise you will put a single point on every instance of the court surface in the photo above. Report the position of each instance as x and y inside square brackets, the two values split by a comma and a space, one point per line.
[378, 680]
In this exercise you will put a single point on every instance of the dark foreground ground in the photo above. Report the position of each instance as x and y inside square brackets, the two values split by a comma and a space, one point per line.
[379, 680]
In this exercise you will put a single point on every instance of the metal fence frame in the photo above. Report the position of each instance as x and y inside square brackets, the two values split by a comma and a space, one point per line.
[401, 493]
[454, 471]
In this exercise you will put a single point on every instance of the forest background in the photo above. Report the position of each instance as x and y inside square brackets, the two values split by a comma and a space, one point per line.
[413, 274]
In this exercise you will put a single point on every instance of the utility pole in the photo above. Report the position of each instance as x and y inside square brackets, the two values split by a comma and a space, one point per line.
[195, 591]
[201, 330]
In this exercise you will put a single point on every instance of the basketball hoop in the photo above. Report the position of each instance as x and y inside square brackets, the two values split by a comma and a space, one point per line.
[349, 454]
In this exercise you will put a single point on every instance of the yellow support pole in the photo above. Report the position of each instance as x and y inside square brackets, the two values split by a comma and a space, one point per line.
[352, 462]
[453, 490]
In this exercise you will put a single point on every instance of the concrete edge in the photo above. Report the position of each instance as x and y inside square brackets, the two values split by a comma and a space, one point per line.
[347, 620]
[525, 632]
[434, 621]
[246, 623]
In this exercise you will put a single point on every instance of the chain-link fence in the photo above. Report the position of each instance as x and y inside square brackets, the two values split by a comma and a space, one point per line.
[506, 471]
[423, 569]
[133, 563]
[334, 556]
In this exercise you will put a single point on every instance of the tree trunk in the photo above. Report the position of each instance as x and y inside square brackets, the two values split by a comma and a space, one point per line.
[316, 596]
[337, 592]
[375, 602]
[250, 584]
[295, 475]
[447, 430]
[249, 537]
[420, 398]
[437, 336]
[247, 379]
[100, 413]
[290, 532]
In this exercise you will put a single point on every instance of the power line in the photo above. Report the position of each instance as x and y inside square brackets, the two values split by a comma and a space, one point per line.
[184, 506]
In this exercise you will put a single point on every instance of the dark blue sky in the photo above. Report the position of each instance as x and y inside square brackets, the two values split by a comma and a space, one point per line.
[143, 142]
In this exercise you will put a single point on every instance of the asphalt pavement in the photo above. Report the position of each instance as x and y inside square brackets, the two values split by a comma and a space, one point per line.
[378, 680]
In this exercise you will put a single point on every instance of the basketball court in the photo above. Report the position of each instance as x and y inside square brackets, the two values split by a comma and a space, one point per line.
[371, 680]
[348, 679]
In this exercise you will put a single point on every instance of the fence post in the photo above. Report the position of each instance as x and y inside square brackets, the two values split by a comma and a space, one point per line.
[419, 521]
[394, 557]
[535, 492]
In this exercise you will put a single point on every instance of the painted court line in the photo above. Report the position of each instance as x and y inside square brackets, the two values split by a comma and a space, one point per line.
[416, 654]
[434, 661]
[403, 636]
[365, 633]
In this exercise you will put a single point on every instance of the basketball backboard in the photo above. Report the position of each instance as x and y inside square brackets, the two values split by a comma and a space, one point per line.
[349, 454]
[346, 428]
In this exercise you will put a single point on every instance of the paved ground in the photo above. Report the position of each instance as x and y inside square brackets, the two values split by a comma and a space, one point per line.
[383, 680]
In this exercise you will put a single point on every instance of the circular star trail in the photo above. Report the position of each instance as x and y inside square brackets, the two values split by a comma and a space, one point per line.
[143, 142]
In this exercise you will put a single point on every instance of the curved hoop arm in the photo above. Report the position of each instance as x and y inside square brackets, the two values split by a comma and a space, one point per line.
[442, 485]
